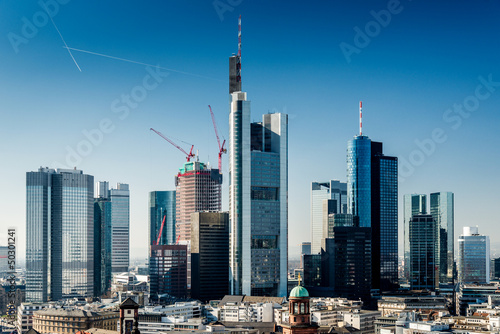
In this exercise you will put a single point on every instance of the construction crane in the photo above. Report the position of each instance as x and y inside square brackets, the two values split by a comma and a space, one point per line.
[161, 230]
[188, 155]
[221, 147]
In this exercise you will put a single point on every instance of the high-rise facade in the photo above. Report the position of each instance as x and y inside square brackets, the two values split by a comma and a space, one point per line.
[162, 210]
[209, 255]
[473, 257]
[372, 196]
[384, 219]
[168, 271]
[414, 204]
[119, 222]
[442, 210]
[424, 264]
[359, 179]
[333, 190]
[59, 234]
[198, 188]
[258, 200]
[102, 244]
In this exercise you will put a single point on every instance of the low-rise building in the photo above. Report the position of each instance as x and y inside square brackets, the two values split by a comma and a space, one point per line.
[362, 320]
[389, 305]
[25, 316]
[474, 294]
[66, 321]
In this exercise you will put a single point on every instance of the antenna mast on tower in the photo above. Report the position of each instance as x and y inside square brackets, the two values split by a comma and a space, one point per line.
[360, 118]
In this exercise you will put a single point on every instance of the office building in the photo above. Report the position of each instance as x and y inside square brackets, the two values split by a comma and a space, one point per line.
[414, 204]
[168, 271]
[162, 210]
[473, 257]
[346, 259]
[25, 316]
[372, 192]
[209, 255]
[384, 219]
[4, 266]
[424, 265]
[336, 193]
[64, 321]
[305, 249]
[258, 196]
[102, 244]
[115, 217]
[442, 210]
[59, 234]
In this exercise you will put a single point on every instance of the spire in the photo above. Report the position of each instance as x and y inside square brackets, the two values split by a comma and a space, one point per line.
[360, 118]
[239, 36]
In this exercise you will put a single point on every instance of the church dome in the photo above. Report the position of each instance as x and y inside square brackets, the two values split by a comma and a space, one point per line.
[299, 292]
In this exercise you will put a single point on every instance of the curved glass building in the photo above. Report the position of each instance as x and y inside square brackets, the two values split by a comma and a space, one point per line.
[359, 179]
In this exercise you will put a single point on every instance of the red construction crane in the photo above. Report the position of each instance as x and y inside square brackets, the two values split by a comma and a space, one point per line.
[188, 155]
[161, 230]
[221, 147]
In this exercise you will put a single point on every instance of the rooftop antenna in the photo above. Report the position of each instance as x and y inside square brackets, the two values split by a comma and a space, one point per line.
[360, 118]
[239, 36]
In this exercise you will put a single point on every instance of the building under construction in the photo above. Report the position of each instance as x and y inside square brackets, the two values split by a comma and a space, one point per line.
[198, 188]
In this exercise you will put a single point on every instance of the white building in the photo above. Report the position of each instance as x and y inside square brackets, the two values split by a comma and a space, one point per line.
[25, 316]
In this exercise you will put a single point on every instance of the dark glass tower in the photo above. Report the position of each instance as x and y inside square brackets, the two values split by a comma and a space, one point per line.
[102, 246]
[162, 205]
[414, 204]
[424, 266]
[442, 210]
[384, 207]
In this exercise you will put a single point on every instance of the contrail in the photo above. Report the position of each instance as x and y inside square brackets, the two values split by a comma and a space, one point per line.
[53, 23]
[140, 63]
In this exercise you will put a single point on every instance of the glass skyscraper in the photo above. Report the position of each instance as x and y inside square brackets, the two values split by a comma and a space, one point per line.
[424, 268]
[359, 179]
[320, 191]
[442, 209]
[473, 257]
[162, 204]
[414, 204]
[102, 244]
[59, 234]
[258, 201]
[384, 219]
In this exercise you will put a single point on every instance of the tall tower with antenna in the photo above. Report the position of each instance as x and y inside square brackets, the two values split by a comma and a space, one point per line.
[235, 66]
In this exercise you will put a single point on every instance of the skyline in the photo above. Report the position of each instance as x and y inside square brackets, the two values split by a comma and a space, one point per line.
[426, 59]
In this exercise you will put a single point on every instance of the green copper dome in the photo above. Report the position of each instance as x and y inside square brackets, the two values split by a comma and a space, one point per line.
[299, 292]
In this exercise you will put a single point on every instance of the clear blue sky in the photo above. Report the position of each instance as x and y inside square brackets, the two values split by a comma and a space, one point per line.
[408, 71]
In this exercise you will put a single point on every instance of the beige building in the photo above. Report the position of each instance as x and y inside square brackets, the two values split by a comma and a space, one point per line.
[71, 321]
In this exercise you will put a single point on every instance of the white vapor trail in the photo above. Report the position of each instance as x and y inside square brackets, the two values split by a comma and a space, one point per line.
[138, 62]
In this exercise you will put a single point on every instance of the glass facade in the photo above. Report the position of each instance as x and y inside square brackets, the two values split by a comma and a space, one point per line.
[359, 179]
[442, 209]
[414, 204]
[168, 272]
[60, 234]
[473, 257]
[120, 227]
[320, 191]
[424, 270]
[102, 246]
[162, 205]
[258, 201]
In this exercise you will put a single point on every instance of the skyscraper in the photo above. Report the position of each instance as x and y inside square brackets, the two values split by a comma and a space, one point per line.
[372, 192]
[384, 219]
[59, 234]
[442, 210]
[102, 242]
[198, 188]
[209, 255]
[473, 257]
[414, 204]
[258, 196]
[424, 265]
[119, 218]
[168, 271]
[162, 206]
[320, 191]
[359, 179]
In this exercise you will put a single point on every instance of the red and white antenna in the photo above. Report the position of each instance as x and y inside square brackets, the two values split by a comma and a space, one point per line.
[360, 118]
[239, 36]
